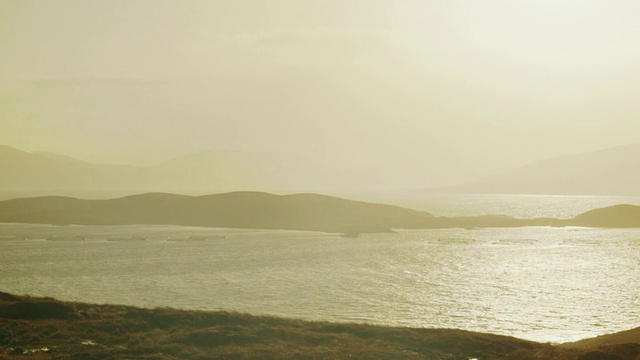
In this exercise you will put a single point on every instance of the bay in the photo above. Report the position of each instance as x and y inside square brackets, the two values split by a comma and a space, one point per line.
[538, 283]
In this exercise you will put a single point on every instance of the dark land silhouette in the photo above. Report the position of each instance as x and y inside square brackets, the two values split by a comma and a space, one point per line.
[612, 216]
[233, 210]
[44, 328]
[257, 210]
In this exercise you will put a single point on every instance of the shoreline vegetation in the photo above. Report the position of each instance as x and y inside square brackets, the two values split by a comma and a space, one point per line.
[45, 328]
[258, 210]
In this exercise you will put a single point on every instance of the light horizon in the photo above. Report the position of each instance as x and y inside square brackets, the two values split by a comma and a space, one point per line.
[418, 93]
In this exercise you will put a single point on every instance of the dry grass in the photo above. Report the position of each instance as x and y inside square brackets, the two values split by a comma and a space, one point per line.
[36, 328]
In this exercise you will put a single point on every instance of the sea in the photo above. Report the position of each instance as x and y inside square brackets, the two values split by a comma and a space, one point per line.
[538, 283]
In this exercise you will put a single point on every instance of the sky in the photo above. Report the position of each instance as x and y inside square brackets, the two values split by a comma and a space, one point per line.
[420, 93]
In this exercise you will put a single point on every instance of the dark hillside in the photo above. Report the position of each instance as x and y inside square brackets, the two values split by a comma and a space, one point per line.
[258, 210]
[235, 210]
[612, 216]
[43, 328]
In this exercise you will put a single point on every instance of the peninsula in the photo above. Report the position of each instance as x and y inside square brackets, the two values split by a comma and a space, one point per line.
[258, 210]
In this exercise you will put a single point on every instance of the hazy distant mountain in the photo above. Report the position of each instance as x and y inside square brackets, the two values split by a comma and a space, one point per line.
[234, 210]
[205, 172]
[614, 171]
[35, 171]
[232, 170]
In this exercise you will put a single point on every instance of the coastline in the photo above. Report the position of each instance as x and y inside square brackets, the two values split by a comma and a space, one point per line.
[259, 210]
[45, 328]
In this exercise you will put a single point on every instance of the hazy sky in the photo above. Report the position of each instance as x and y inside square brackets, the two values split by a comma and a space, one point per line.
[430, 92]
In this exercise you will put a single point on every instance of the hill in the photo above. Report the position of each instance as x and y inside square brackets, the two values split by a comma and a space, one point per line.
[44, 328]
[258, 210]
[205, 172]
[234, 210]
[613, 171]
[35, 171]
[622, 337]
[620, 216]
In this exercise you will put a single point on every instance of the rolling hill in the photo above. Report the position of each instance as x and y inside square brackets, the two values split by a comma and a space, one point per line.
[46, 328]
[233, 210]
[258, 210]
[613, 171]
[620, 216]
[34, 171]
[44, 173]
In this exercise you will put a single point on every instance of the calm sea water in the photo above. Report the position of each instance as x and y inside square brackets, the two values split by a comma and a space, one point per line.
[539, 283]
[520, 206]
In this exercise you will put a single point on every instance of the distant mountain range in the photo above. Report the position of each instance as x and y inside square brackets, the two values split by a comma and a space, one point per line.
[257, 210]
[44, 170]
[206, 172]
[613, 171]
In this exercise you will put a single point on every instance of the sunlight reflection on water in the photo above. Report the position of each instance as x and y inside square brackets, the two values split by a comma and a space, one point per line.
[546, 284]
[520, 206]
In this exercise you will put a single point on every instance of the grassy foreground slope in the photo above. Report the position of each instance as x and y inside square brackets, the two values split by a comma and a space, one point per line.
[43, 328]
